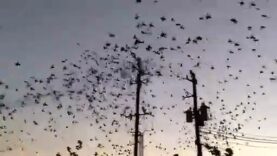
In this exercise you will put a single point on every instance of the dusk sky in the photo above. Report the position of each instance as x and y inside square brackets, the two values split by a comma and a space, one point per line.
[235, 62]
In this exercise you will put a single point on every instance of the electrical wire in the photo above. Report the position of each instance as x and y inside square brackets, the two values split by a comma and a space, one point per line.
[243, 138]
[254, 146]
[247, 134]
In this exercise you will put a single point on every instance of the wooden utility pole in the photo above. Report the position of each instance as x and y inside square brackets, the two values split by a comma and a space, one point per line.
[199, 116]
[138, 82]
[141, 144]
[196, 114]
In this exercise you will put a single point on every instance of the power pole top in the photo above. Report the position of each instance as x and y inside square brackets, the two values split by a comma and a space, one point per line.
[193, 78]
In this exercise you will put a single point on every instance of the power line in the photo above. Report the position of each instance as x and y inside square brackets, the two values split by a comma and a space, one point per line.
[244, 135]
[243, 138]
[248, 145]
[247, 134]
[261, 136]
[232, 136]
[255, 138]
[252, 140]
[254, 146]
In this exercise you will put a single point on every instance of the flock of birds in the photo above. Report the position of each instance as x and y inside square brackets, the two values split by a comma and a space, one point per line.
[101, 89]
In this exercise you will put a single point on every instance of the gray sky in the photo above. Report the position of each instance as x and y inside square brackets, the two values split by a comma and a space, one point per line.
[38, 33]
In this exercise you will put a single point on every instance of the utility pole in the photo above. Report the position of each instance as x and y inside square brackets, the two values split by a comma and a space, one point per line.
[141, 144]
[195, 112]
[138, 82]
[199, 115]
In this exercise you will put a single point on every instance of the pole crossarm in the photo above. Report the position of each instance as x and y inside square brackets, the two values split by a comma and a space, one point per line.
[186, 97]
